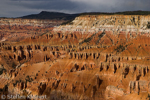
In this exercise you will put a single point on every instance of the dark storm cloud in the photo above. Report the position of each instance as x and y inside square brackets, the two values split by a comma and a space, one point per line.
[45, 4]
[15, 8]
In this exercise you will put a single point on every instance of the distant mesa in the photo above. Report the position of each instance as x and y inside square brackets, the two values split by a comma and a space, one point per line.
[51, 15]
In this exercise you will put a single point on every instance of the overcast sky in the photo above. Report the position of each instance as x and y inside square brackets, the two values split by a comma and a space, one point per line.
[17, 8]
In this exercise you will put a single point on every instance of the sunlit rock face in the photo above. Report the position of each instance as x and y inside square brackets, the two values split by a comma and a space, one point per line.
[95, 23]
[29, 22]
[94, 57]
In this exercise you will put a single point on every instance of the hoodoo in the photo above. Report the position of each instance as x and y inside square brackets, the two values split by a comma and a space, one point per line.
[93, 57]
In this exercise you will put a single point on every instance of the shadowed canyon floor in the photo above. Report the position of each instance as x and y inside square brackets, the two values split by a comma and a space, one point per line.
[94, 57]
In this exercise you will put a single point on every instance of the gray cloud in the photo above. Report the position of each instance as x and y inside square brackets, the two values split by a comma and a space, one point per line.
[16, 8]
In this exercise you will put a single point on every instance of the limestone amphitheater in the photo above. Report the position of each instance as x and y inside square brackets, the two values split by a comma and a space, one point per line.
[94, 57]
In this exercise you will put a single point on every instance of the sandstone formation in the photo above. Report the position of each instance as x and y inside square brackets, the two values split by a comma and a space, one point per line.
[96, 23]
[19, 29]
[94, 57]
[29, 22]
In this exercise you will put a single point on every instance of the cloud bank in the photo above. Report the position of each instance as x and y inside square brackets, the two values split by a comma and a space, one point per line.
[17, 8]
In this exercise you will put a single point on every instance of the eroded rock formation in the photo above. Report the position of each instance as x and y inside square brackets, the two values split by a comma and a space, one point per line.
[93, 58]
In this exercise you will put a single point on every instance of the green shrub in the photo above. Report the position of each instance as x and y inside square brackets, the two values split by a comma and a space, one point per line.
[87, 40]
[1, 71]
[100, 36]
[28, 79]
[120, 48]
[13, 65]
[148, 25]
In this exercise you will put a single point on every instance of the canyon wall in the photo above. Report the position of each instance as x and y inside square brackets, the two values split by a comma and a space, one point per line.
[30, 22]
[95, 23]
[94, 57]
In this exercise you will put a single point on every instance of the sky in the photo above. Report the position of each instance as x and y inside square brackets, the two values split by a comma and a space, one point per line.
[18, 8]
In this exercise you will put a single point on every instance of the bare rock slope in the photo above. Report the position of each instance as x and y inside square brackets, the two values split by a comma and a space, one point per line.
[94, 57]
